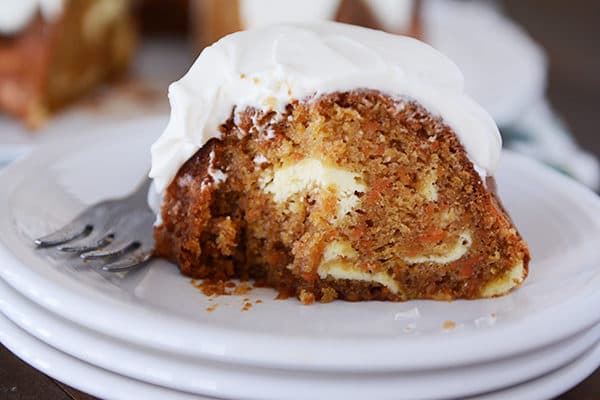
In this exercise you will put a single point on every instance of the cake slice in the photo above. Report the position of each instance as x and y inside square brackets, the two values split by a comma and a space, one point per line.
[213, 19]
[333, 162]
[53, 51]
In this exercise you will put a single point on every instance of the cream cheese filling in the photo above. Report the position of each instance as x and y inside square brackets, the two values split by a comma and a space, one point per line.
[338, 263]
[505, 283]
[444, 257]
[286, 181]
[428, 186]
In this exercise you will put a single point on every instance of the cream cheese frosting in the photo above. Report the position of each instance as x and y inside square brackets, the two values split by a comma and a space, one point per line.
[267, 68]
[15, 15]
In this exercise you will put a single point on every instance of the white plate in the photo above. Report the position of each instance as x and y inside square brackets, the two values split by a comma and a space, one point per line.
[158, 308]
[553, 384]
[105, 384]
[82, 376]
[214, 379]
[505, 71]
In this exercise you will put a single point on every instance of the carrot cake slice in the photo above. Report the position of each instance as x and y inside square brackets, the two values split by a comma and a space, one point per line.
[330, 161]
[52, 51]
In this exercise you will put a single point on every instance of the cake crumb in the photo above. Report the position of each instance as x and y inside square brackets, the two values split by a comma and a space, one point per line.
[449, 324]
[212, 307]
[209, 287]
[212, 288]
[258, 301]
[242, 288]
[328, 295]
[247, 306]
[306, 298]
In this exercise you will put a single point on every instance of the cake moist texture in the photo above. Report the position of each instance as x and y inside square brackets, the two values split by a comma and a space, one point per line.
[350, 195]
[333, 162]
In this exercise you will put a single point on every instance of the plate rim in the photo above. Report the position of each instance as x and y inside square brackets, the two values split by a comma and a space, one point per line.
[569, 375]
[60, 366]
[69, 338]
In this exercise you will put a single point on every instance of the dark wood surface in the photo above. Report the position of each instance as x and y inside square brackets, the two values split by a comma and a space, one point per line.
[570, 32]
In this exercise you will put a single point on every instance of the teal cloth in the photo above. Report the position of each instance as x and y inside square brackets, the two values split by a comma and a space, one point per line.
[539, 133]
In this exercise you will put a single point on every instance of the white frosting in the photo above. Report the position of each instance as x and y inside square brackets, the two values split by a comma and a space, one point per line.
[155, 203]
[15, 15]
[216, 174]
[269, 67]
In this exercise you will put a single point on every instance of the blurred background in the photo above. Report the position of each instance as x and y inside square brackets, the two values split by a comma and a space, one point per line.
[85, 64]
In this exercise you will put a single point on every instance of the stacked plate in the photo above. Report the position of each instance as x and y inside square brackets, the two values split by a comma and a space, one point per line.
[151, 334]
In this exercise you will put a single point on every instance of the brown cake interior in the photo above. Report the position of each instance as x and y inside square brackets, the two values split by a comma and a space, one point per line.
[420, 225]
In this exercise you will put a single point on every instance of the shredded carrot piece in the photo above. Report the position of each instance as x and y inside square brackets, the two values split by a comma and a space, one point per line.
[357, 233]
[433, 235]
[309, 276]
[466, 266]
[430, 209]
[370, 127]
[379, 186]
[466, 271]
[413, 251]
[330, 204]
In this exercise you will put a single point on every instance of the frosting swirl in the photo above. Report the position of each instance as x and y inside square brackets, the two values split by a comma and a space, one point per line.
[269, 67]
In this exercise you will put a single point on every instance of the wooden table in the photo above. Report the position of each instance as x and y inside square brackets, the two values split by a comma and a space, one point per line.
[570, 32]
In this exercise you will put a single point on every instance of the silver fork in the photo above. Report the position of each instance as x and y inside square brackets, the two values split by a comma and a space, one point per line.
[118, 233]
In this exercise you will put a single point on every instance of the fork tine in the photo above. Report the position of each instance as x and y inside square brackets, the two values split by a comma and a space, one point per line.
[92, 233]
[89, 244]
[112, 250]
[66, 234]
[130, 260]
